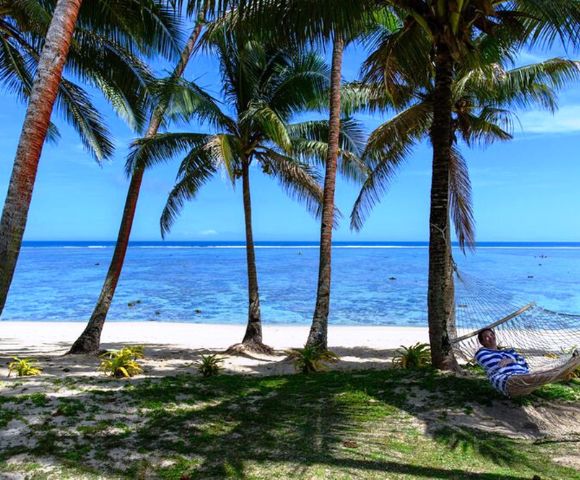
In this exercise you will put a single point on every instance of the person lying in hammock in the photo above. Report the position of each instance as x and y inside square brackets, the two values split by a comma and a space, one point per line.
[508, 371]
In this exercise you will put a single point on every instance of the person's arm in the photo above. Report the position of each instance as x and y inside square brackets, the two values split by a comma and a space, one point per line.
[509, 357]
[521, 359]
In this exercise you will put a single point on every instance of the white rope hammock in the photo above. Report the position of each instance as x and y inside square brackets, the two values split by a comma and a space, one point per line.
[544, 337]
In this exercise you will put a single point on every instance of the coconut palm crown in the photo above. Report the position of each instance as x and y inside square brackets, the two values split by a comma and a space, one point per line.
[486, 99]
[265, 88]
[104, 54]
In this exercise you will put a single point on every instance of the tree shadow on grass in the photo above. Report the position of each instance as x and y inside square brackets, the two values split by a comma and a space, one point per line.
[296, 427]
[342, 425]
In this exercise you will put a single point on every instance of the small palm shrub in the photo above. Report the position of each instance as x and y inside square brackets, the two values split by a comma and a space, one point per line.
[209, 365]
[24, 367]
[415, 356]
[122, 363]
[311, 359]
[473, 367]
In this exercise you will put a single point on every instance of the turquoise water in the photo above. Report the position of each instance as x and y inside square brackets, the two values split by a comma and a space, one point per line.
[373, 284]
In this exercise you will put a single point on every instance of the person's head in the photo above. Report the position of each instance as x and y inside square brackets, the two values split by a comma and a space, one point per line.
[487, 338]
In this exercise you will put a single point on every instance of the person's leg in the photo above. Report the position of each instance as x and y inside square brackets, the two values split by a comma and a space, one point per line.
[520, 385]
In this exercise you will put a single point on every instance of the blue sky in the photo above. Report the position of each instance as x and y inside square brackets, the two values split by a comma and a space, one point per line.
[524, 190]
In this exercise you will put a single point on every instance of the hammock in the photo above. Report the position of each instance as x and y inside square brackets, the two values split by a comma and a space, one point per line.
[544, 337]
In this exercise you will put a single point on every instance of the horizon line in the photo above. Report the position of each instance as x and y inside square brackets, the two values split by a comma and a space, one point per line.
[300, 240]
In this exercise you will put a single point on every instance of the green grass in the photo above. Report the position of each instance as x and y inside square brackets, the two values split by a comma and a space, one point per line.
[363, 425]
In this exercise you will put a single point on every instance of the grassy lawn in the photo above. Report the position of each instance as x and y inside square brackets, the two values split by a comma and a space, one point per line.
[359, 425]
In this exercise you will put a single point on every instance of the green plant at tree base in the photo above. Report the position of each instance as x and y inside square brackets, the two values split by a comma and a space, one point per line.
[122, 363]
[311, 359]
[209, 365]
[24, 367]
[415, 356]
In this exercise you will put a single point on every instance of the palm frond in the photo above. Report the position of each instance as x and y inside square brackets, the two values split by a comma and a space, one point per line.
[148, 151]
[460, 201]
[150, 26]
[378, 181]
[195, 170]
[185, 100]
[304, 20]
[225, 150]
[523, 87]
[405, 127]
[398, 60]
[358, 97]
[351, 135]
[75, 105]
[309, 143]
[487, 126]
[547, 21]
[16, 71]
[17, 66]
[300, 85]
[269, 122]
[118, 73]
[52, 134]
[298, 179]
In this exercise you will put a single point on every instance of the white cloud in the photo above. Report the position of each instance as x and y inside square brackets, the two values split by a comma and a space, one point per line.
[565, 120]
[207, 233]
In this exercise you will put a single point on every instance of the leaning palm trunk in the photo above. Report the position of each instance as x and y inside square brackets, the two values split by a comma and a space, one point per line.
[34, 130]
[441, 289]
[253, 337]
[318, 336]
[90, 340]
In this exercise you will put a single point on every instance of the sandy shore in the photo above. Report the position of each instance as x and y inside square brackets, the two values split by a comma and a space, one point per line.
[172, 347]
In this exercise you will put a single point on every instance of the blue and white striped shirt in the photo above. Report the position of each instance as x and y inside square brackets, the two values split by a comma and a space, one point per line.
[489, 360]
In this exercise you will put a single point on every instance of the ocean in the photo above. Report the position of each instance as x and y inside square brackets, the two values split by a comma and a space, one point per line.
[379, 283]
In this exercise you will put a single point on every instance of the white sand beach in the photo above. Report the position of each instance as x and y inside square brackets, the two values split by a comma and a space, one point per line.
[172, 347]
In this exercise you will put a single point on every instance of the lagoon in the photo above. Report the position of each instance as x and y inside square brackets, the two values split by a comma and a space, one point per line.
[379, 283]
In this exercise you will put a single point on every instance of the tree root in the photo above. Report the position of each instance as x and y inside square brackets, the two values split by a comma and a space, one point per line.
[83, 350]
[246, 348]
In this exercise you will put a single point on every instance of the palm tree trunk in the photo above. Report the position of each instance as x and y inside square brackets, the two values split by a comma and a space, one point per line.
[440, 287]
[318, 336]
[44, 91]
[452, 323]
[253, 337]
[90, 340]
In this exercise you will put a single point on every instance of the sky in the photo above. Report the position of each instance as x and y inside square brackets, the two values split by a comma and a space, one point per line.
[524, 190]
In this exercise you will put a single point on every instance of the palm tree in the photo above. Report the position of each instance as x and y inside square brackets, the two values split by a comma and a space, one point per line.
[483, 99]
[266, 87]
[35, 44]
[89, 341]
[451, 29]
[359, 25]
[36, 124]
[297, 22]
[318, 336]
